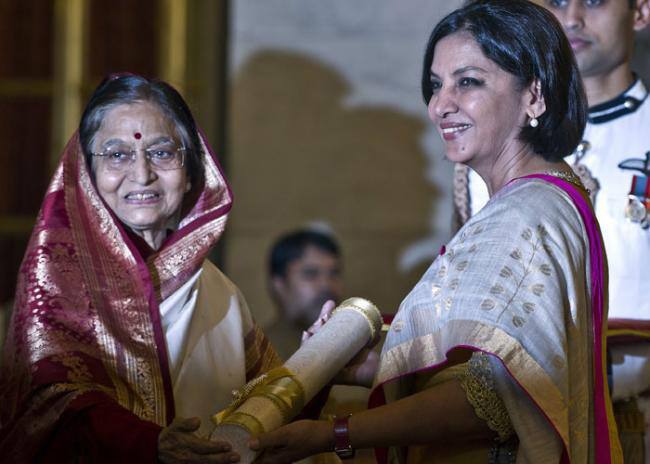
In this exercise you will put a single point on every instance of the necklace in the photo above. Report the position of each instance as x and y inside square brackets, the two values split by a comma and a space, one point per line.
[570, 177]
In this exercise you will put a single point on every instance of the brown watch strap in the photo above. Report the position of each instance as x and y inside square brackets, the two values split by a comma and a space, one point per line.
[342, 446]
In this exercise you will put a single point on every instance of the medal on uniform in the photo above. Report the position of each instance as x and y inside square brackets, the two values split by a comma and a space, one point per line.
[583, 172]
[638, 203]
[637, 209]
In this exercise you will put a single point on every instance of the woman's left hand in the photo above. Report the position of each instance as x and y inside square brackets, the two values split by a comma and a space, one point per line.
[294, 441]
[360, 370]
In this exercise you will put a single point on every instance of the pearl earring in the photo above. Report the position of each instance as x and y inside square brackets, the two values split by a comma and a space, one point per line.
[534, 122]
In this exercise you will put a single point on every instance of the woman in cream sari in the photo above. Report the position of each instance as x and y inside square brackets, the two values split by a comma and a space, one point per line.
[121, 324]
[497, 354]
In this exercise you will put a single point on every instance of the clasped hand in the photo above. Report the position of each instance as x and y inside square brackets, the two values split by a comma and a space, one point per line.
[178, 443]
[293, 442]
[304, 438]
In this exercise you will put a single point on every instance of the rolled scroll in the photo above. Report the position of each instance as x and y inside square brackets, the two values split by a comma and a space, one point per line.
[276, 397]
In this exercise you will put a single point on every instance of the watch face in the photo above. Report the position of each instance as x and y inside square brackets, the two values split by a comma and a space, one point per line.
[635, 210]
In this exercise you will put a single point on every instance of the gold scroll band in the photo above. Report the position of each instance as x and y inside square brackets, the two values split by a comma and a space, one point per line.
[368, 310]
[279, 386]
[286, 393]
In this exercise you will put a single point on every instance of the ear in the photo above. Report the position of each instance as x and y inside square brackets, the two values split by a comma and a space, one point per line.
[641, 14]
[278, 286]
[534, 102]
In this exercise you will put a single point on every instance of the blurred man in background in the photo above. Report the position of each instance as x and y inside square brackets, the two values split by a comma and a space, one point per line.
[305, 271]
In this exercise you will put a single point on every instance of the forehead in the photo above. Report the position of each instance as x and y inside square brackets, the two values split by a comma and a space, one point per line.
[457, 51]
[316, 257]
[143, 118]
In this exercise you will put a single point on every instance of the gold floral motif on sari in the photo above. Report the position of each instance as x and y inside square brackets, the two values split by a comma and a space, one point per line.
[520, 277]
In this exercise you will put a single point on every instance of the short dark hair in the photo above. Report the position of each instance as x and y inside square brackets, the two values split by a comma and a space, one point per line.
[526, 41]
[291, 247]
[121, 89]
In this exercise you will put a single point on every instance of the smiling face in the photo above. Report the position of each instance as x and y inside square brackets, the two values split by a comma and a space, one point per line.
[601, 32]
[146, 200]
[478, 107]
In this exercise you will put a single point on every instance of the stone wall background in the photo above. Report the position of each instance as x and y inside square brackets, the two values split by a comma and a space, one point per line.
[326, 124]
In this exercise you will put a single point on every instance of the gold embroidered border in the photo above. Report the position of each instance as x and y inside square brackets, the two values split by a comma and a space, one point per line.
[525, 370]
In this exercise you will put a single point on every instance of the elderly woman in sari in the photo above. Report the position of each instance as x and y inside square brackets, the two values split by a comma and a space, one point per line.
[121, 324]
[496, 355]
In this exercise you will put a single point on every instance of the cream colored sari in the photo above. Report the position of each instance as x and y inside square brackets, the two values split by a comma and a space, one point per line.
[523, 281]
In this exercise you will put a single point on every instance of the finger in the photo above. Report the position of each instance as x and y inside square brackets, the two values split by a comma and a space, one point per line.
[223, 445]
[326, 311]
[200, 445]
[223, 458]
[186, 425]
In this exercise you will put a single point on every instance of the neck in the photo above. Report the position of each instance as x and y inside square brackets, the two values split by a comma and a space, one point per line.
[507, 168]
[154, 238]
[605, 87]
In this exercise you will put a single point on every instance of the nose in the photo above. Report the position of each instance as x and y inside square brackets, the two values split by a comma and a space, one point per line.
[573, 17]
[332, 285]
[141, 171]
[324, 282]
[442, 104]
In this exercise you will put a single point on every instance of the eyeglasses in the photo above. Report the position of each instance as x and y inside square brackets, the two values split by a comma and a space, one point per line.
[121, 159]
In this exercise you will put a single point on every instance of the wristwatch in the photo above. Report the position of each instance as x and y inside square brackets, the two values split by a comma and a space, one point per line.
[342, 446]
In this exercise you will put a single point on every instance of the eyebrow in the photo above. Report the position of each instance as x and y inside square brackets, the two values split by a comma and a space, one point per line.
[162, 139]
[117, 141]
[110, 142]
[462, 70]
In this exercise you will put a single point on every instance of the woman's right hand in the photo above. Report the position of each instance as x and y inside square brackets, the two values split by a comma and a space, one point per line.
[323, 317]
[178, 443]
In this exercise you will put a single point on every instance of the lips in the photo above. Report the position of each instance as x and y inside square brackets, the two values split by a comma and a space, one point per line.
[578, 43]
[142, 196]
[450, 131]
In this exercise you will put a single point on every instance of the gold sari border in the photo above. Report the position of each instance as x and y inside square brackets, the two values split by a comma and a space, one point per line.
[523, 368]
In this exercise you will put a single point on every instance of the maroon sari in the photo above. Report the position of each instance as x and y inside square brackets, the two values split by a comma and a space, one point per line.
[85, 347]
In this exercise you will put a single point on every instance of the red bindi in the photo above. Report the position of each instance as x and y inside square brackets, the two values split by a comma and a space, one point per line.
[137, 135]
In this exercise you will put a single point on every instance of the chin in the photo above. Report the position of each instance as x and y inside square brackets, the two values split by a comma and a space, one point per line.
[456, 157]
[144, 221]
[140, 227]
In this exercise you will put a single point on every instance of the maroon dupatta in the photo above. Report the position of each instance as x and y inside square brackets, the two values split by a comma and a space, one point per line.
[86, 315]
